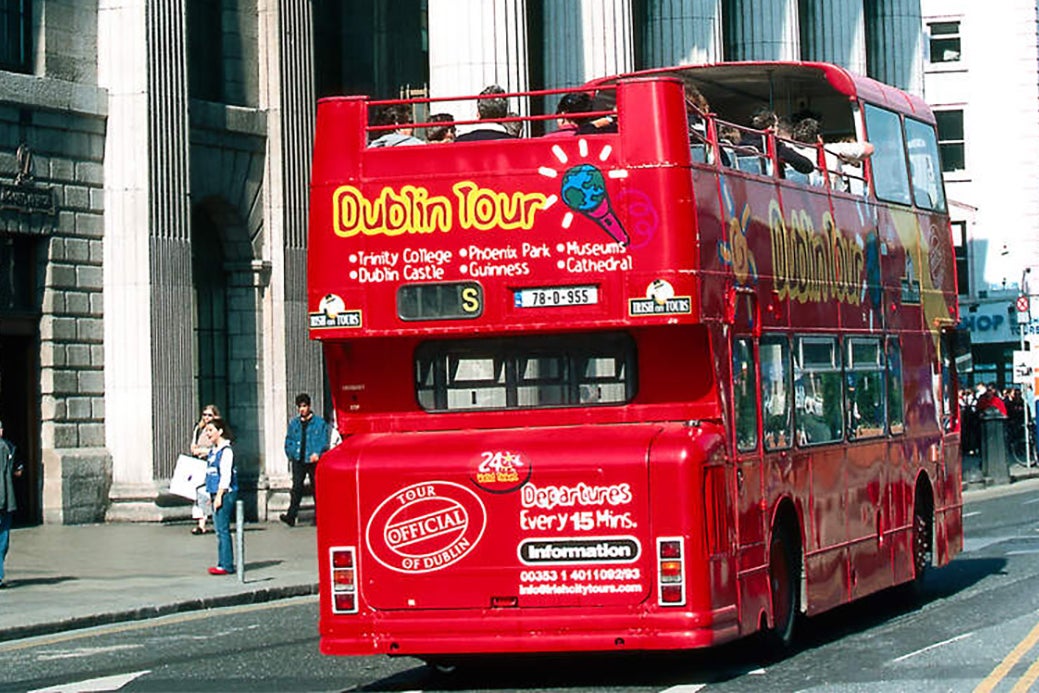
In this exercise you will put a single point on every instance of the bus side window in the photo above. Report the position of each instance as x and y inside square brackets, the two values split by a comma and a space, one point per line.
[864, 382]
[890, 176]
[776, 392]
[924, 165]
[895, 417]
[818, 391]
[745, 394]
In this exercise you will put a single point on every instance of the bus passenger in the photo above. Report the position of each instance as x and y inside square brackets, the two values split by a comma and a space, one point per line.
[602, 125]
[845, 157]
[766, 119]
[697, 108]
[395, 114]
[491, 108]
[728, 142]
[441, 133]
[569, 106]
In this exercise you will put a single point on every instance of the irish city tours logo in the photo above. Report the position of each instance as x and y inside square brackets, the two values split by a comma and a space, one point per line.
[332, 312]
[426, 527]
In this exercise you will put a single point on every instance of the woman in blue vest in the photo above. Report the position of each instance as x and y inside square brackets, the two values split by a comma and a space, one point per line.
[222, 485]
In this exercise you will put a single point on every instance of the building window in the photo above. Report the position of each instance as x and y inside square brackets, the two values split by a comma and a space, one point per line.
[945, 42]
[15, 24]
[950, 140]
[959, 242]
[211, 304]
[205, 50]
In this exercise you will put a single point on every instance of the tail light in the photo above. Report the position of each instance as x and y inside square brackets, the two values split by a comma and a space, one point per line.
[670, 571]
[343, 564]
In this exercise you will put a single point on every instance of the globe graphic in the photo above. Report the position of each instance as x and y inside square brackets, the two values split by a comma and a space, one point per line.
[583, 188]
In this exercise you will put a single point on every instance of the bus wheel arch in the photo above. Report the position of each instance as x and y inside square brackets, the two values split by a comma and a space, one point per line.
[785, 574]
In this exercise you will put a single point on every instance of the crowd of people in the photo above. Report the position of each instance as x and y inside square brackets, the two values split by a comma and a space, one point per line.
[986, 400]
[797, 145]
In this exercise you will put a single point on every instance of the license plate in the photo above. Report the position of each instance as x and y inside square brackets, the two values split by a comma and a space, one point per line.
[557, 296]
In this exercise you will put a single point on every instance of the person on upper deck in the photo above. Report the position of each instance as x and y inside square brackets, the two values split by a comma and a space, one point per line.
[567, 111]
[765, 119]
[697, 108]
[841, 157]
[489, 109]
[395, 114]
[441, 133]
[602, 125]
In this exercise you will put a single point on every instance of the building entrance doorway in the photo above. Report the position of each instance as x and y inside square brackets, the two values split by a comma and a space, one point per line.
[19, 402]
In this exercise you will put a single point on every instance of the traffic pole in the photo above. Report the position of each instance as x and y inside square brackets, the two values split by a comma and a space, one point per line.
[1024, 314]
[239, 511]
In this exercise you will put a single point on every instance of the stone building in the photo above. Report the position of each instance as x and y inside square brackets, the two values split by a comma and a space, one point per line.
[153, 176]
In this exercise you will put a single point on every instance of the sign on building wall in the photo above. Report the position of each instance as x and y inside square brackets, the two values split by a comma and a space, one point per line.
[990, 323]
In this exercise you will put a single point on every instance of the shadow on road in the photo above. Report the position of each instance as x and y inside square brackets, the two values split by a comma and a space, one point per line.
[714, 665]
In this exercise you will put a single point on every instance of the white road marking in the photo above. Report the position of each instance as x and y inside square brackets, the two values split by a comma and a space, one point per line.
[976, 512]
[82, 652]
[684, 688]
[1029, 502]
[106, 683]
[931, 647]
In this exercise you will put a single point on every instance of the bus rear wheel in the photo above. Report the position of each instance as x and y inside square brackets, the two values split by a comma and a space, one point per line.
[784, 577]
[923, 524]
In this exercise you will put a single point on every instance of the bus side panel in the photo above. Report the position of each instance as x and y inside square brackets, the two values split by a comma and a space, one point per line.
[867, 482]
[826, 552]
[898, 504]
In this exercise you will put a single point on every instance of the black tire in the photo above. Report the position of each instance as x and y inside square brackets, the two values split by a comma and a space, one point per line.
[784, 578]
[923, 537]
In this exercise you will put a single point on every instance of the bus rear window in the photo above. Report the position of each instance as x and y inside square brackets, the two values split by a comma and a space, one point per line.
[525, 373]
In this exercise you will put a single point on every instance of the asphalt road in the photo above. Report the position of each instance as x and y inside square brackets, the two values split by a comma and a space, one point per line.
[976, 627]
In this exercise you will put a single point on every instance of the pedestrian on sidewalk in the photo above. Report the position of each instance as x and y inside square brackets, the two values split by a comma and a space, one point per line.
[222, 484]
[200, 447]
[8, 504]
[306, 440]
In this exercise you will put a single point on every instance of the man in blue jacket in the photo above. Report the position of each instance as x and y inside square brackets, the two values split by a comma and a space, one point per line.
[306, 440]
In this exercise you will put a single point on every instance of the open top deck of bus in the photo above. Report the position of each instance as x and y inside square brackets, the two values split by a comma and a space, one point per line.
[535, 232]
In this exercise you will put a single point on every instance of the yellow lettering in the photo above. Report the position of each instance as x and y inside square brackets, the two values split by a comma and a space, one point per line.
[412, 210]
[483, 209]
[809, 266]
[470, 300]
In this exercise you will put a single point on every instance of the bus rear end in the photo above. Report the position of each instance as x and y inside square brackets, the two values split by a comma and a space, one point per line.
[532, 432]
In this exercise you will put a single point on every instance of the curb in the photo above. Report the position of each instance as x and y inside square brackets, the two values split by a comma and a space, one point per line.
[154, 611]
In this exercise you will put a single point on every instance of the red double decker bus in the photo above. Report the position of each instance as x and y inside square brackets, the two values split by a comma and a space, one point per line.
[643, 388]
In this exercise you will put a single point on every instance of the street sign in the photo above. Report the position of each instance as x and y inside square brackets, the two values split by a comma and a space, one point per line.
[1022, 303]
[1022, 367]
[1024, 315]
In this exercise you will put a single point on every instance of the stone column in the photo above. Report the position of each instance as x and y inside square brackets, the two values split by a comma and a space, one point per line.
[683, 32]
[474, 43]
[761, 30]
[894, 43]
[834, 31]
[149, 391]
[291, 362]
[586, 39]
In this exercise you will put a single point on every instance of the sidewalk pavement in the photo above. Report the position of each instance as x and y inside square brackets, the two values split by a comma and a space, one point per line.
[65, 577]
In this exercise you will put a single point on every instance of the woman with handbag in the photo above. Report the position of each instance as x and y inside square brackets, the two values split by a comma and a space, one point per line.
[222, 485]
[200, 447]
